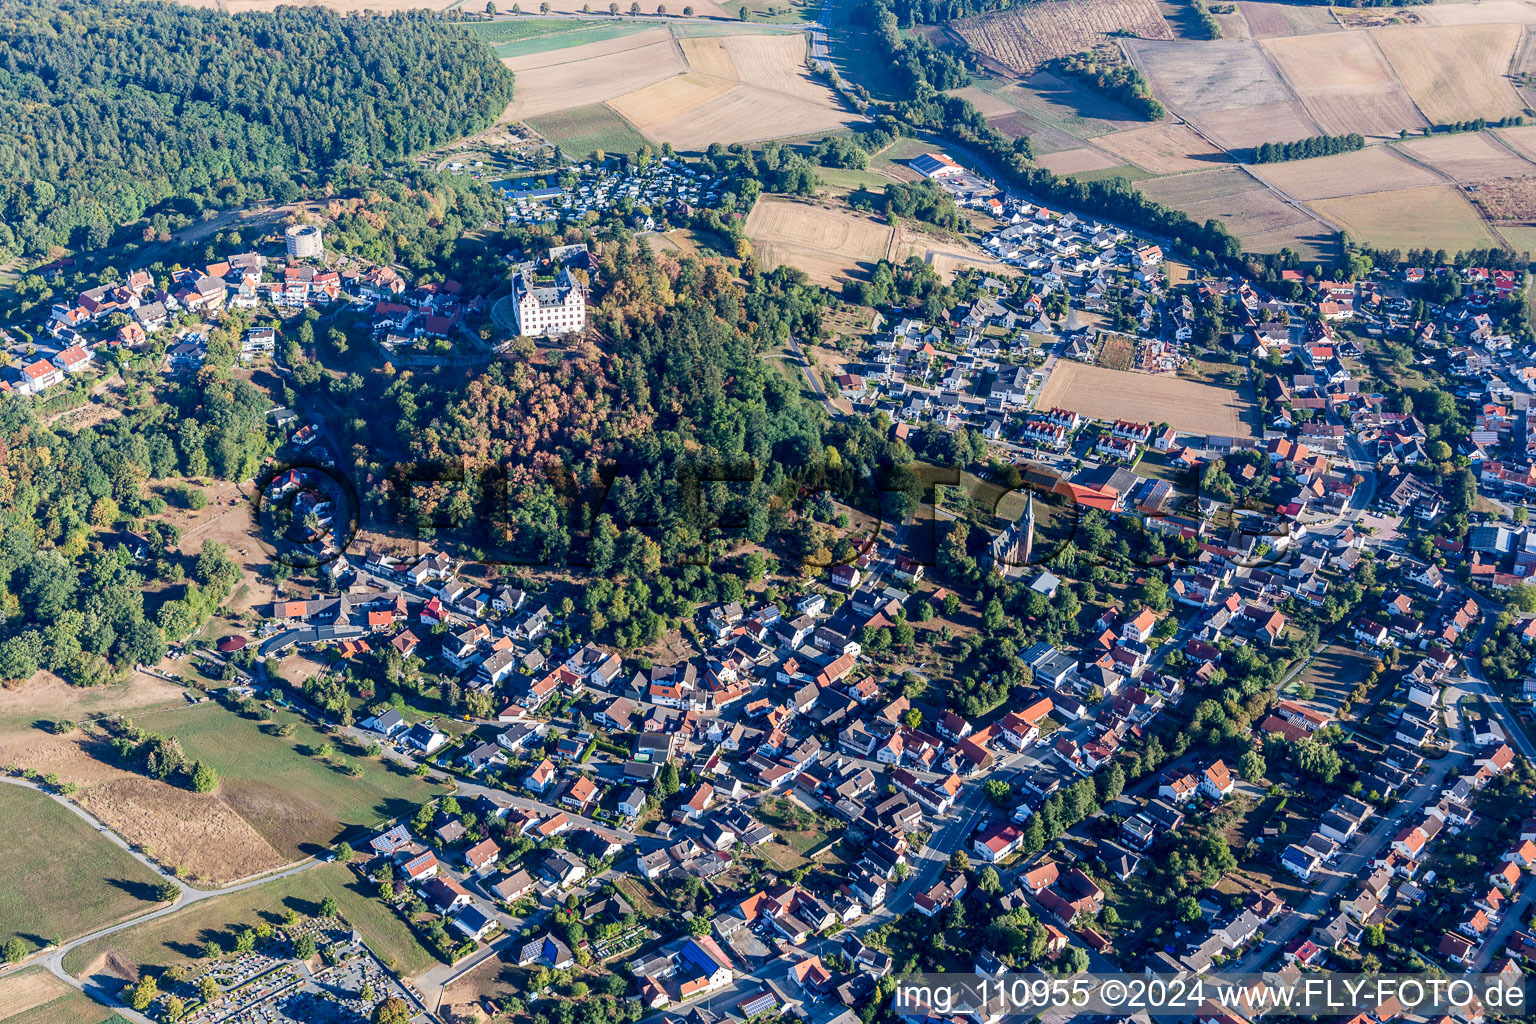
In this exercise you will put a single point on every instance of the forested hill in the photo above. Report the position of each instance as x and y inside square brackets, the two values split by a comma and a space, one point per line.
[108, 107]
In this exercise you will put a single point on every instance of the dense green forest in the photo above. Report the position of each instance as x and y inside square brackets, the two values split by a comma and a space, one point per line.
[110, 109]
[71, 598]
[650, 460]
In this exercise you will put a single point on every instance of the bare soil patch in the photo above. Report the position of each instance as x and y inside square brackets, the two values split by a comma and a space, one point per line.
[1156, 398]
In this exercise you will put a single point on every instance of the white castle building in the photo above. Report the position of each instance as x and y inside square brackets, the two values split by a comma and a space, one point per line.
[546, 309]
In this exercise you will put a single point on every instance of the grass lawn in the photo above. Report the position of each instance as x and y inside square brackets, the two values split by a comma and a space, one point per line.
[1333, 674]
[1127, 171]
[523, 28]
[280, 785]
[65, 878]
[706, 30]
[179, 937]
[33, 996]
[581, 130]
[562, 35]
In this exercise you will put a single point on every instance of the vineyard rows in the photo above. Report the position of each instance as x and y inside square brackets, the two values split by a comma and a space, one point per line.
[1024, 38]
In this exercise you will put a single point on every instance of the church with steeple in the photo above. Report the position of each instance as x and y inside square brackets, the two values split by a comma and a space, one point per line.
[1012, 549]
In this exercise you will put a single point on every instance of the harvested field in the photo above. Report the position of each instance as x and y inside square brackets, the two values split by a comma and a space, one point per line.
[829, 245]
[33, 996]
[1345, 174]
[1471, 156]
[1245, 128]
[581, 76]
[1220, 183]
[708, 56]
[738, 88]
[1045, 138]
[1163, 149]
[65, 878]
[1026, 37]
[749, 114]
[1345, 83]
[1073, 161]
[1196, 77]
[1456, 73]
[1506, 200]
[293, 798]
[776, 63]
[1483, 12]
[1156, 398]
[1520, 238]
[581, 130]
[1272, 20]
[1259, 217]
[671, 97]
[990, 104]
[45, 698]
[1438, 216]
[1067, 105]
[1522, 138]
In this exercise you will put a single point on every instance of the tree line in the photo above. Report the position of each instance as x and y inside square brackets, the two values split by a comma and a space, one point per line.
[112, 109]
[1303, 149]
[1111, 74]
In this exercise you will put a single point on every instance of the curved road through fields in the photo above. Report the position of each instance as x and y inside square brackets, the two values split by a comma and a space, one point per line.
[53, 959]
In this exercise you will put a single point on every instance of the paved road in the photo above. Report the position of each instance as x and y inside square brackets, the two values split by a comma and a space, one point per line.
[1350, 866]
[1475, 681]
[814, 378]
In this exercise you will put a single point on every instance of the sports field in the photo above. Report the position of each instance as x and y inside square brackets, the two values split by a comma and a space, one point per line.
[63, 878]
[830, 245]
[1151, 398]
